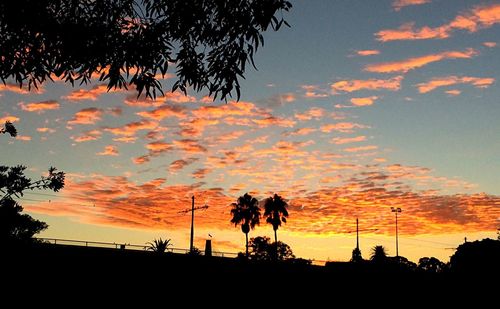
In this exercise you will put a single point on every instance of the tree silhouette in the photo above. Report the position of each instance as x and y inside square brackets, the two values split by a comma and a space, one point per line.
[159, 245]
[431, 265]
[15, 226]
[246, 212]
[478, 257]
[379, 254]
[356, 256]
[275, 211]
[264, 250]
[9, 128]
[131, 42]
[13, 181]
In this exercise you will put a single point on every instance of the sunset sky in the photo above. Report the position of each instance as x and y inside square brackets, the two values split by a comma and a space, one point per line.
[360, 106]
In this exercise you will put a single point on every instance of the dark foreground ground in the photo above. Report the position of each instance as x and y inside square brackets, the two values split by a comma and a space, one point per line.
[79, 276]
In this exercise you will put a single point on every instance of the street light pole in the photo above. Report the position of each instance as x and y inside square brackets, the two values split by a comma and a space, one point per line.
[192, 226]
[396, 211]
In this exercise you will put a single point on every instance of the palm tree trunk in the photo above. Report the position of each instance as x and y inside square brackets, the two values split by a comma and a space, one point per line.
[276, 244]
[246, 238]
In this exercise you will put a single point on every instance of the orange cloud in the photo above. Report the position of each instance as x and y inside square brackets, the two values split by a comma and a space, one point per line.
[490, 44]
[274, 121]
[16, 89]
[344, 127]
[125, 139]
[360, 148]
[368, 195]
[313, 92]
[109, 150]
[347, 140]
[190, 146]
[143, 101]
[392, 84]
[131, 128]
[367, 52]
[23, 138]
[8, 118]
[406, 65]
[88, 94]
[434, 83]
[480, 17]
[178, 165]
[195, 127]
[201, 173]
[45, 130]
[366, 101]
[156, 148]
[162, 112]
[314, 112]
[301, 132]
[453, 92]
[399, 4]
[141, 159]
[40, 107]
[86, 116]
[87, 136]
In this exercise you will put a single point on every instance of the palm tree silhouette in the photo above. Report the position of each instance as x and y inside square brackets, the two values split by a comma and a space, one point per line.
[159, 245]
[379, 254]
[246, 212]
[275, 211]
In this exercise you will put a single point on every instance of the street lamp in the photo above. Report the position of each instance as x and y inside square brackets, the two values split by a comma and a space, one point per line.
[396, 211]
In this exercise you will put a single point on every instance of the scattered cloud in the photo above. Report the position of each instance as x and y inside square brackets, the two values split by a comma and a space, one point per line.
[361, 148]
[406, 65]
[131, 128]
[314, 92]
[109, 150]
[367, 52]
[397, 5]
[490, 44]
[478, 82]
[201, 173]
[314, 112]
[40, 107]
[91, 94]
[344, 127]
[274, 121]
[24, 138]
[165, 111]
[278, 100]
[125, 139]
[158, 147]
[479, 17]
[10, 118]
[20, 90]
[392, 84]
[178, 165]
[347, 140]
[301, 132]
[86, 116]
[453, 92]
[366, 101]
[190, 146]
[87, 136]
[45, 130]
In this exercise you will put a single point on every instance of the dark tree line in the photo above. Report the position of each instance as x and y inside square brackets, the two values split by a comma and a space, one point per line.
[133, 42]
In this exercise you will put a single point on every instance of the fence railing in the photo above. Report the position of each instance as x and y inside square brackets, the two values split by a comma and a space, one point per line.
[125, 246]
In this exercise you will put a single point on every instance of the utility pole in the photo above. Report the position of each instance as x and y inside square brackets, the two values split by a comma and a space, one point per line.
[396, 211]
[192, 225]
[192, 220]
[357, 234]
